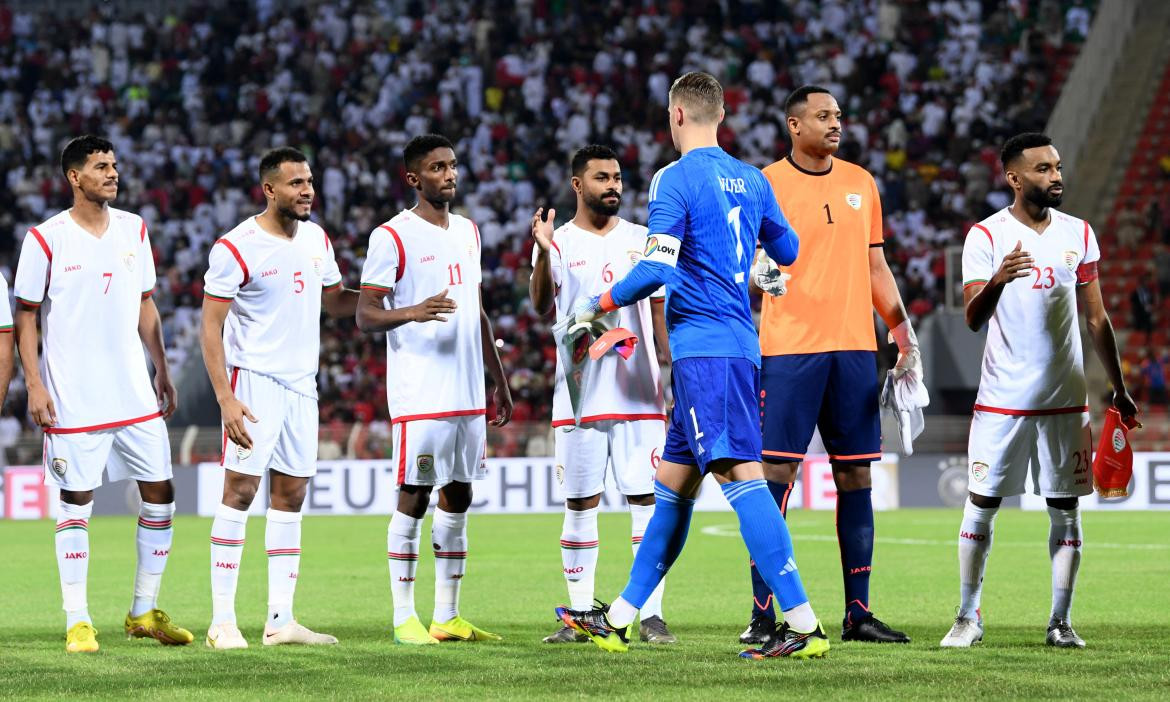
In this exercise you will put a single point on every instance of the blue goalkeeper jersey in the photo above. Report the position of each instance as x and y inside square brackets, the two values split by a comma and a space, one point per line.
[716, 207]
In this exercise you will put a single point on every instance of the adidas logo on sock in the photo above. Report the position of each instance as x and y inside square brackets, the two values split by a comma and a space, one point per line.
[789, 567]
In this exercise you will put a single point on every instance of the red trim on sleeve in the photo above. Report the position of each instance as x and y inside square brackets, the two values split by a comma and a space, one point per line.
[401, 253]
[974, 282]
[1086, 237]
[554, 245]
[610, 417]
[142, 233]
[99, 427]
[1032, 413]
[42, 242]
[147, 294]
[239, 259]
[437, 415]
[983, 229]
[328, 244]
[475, 227]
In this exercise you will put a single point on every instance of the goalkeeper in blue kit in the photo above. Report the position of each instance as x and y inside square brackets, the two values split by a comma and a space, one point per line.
[706, 211]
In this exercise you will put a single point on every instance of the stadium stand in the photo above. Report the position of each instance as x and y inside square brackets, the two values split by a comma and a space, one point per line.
[1138, 276]
[191, 99]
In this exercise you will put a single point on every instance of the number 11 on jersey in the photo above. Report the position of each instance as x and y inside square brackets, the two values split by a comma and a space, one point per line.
[455, 274]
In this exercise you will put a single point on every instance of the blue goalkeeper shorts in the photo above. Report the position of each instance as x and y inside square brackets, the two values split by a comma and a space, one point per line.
[836, 392]
[716, 411]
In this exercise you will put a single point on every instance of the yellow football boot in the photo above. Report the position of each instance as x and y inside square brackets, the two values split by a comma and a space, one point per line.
[81, 638]
[157, 624]
[459, 629]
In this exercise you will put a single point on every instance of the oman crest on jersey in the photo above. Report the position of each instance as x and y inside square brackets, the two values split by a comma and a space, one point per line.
[854, 200]
[129, 259]
[1071, 259]
[317, 265]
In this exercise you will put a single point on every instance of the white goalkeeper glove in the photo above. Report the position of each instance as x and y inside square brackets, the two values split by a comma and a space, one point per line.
[768, 276]
[904, 393]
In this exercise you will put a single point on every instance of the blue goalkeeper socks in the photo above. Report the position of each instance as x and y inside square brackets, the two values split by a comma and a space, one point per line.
[761, 593]
[663, 541]
[855, 537]
[766, 536]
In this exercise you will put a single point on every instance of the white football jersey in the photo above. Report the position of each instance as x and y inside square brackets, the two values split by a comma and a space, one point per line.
[1033, 361]
[274, 284]
[5, 308]
[90, 292]
[433, 369]
[584, 264]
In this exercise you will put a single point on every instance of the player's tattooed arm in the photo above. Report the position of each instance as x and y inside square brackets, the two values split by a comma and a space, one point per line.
[151, 333]
[1105, 343]
[980, 299]
[372, 316]
[231, 410]
[540, 285]
[40, 404]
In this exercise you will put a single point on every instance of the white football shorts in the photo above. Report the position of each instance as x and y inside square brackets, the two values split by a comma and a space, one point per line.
[631, 448]
[1055, 449]
[439, 451]
[139, 452]
[284, 436]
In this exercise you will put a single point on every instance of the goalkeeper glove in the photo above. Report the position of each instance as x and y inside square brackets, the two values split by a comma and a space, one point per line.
[768, 276]
[904, 394]
[592, 308]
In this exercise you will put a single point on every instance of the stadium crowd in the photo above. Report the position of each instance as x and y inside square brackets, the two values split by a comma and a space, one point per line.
[191, 100]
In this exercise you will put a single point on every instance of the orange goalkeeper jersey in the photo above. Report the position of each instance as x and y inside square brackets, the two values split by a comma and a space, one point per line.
[829, 304]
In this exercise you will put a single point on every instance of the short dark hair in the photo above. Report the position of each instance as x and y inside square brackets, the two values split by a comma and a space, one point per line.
[422, 145]
[271, 160]
[78, 150]
[589, 153]
[1013, 148]
[799, 97]
[701, 93]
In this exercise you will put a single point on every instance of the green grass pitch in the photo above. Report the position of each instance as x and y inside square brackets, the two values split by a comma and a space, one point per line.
[514, 581]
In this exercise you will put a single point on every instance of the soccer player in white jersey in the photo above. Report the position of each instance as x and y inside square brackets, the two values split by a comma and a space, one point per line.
[623, 418]
[267, 281]
[1025, 268]
[420, 285]
[6, 349]
[89, 272]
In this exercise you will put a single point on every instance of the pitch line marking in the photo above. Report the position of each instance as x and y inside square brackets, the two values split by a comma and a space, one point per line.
[732, 530]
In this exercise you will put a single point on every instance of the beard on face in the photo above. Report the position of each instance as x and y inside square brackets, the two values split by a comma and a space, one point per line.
[601, 207]
[439, 196]
[1042, 197]
[290, 213]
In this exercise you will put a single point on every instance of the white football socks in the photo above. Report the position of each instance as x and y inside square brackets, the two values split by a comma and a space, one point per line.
[282, 541]
[402, 537]
[154, 537]
[72, 546]
[449, 540]
[227, 545]
[639, 518]
[975, 536]
[1064, 546]
[579, 542]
